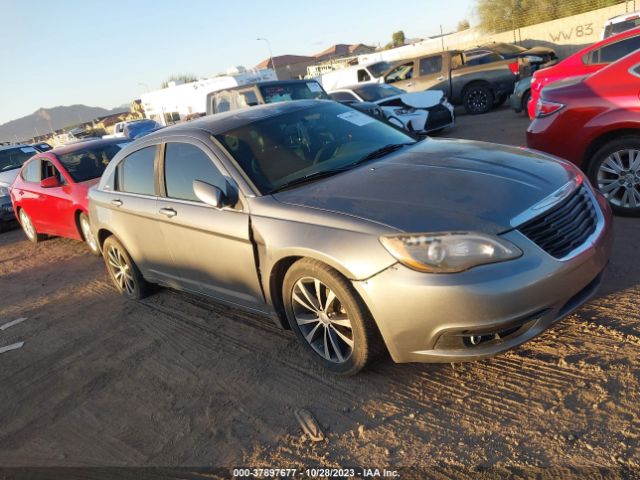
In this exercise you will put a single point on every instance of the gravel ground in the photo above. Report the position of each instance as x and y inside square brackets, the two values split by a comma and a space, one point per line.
[176, 380]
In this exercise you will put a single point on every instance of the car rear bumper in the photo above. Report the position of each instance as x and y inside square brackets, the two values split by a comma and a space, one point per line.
[552, 135]
[432, 317]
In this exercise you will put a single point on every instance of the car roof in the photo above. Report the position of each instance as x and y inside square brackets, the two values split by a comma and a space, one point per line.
[87, 145]
[263, 84]
[223, 122]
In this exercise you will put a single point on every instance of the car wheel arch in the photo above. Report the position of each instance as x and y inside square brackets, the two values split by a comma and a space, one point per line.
[600, 141]
[103, 234]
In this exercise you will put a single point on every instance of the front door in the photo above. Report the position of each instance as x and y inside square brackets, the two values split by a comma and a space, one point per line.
[210, 247]
[56, 204]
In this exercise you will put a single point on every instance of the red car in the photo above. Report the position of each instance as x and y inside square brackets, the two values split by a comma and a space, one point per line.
[594, 122]
[586, 61]
[49, 194]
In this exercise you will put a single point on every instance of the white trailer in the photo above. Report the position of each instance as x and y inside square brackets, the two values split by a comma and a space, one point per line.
[179, 100]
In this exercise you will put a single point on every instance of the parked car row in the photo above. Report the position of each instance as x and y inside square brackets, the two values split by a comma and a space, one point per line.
[337, 225]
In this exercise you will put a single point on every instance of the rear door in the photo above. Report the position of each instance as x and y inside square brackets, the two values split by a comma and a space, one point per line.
[27, 192]
[210, 247]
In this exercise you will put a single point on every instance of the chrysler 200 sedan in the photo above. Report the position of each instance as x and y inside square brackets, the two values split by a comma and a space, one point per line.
[352, 234]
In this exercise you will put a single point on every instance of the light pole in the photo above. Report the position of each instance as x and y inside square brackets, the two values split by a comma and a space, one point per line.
[270, 54]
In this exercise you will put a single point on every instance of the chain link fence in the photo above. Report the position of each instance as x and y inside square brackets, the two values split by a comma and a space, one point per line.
[497, 16]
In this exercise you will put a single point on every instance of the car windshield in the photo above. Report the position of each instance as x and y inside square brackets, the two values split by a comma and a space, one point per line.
[374, 92]
[13, 158]
[293, 145]
[285, 92]
[89, 163]
[377, 69]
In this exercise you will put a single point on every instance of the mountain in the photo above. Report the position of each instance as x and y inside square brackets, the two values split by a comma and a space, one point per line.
[44, 120]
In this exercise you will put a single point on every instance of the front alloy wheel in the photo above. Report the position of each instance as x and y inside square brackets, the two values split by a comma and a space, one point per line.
[329, 317]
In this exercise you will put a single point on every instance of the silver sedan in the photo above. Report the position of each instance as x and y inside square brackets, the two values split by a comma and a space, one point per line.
[352, 234]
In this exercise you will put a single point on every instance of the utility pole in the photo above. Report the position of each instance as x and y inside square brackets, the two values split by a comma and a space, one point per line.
[270, 54]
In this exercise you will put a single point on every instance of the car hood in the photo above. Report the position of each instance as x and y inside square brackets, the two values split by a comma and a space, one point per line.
[9, 176]
[439, 185]
[425, 99]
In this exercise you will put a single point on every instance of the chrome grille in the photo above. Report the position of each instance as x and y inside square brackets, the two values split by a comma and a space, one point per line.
[564, 227]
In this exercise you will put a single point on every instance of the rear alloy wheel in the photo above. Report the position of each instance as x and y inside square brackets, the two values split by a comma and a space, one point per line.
[29, 229]
[87, 234]
[615, 171]
[477, 99]
[329, 318]
[123, 271]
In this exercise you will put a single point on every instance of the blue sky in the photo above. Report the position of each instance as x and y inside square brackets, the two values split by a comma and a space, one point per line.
[98, 53]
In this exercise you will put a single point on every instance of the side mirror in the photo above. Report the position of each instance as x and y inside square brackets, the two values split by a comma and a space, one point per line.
[50, 182]
[209, 194]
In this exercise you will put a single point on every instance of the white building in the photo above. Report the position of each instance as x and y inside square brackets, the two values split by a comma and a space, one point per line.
[177, 101]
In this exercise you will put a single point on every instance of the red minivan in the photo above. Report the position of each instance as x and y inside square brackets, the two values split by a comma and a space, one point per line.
[49, 194]
[586, 61]
[594, 122]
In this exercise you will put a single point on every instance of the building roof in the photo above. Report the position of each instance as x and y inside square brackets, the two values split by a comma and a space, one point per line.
[283, 60]
[341, 50]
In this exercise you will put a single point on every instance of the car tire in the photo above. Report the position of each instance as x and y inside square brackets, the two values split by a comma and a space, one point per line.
[123, 271]
[477, 99]
[28, 228]
[615, 171]
[87, 235]
[329, 318]
[525, 101]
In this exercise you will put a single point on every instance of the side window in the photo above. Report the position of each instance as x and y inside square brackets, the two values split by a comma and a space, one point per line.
[50, 170]
[184, 163]
[343, 97]
[136, 173]
[31, 171]
[222, 102]
[401, 72]
[611, 53]
[247, 98]
[431, 65]
[363, 76]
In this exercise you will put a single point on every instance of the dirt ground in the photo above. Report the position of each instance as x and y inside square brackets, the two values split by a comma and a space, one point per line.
[176, 380]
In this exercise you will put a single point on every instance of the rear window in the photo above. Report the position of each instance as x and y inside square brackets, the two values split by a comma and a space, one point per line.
[13, 158]
[612, 52]
[619, 27]
[88, 164]
[286, 92]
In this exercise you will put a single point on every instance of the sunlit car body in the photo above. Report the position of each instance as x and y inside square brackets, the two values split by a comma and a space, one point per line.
[352, 234]
[586, 61]
[50, 194]
[594, 122]
[12, 157]
[417, 112]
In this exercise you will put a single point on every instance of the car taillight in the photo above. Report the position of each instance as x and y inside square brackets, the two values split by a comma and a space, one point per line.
[514, 67]
[545, 108]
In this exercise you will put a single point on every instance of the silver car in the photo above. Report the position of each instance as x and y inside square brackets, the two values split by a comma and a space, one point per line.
[352, 234]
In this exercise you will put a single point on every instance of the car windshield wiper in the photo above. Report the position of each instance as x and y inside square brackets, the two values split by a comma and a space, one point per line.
[308, 178]
[381, 152]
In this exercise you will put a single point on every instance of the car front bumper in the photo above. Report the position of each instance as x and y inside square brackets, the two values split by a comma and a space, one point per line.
[431, 317]
[6, 210]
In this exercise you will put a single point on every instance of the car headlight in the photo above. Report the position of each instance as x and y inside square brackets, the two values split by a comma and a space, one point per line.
[448, 252]
[4, 190]
[404, 111]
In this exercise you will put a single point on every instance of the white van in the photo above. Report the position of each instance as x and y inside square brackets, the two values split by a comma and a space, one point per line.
[363, 73]
[620, 24]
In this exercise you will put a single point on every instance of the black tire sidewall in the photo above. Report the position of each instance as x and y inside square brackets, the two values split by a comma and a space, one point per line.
[622, 143]
[475, 88]
[358, 314]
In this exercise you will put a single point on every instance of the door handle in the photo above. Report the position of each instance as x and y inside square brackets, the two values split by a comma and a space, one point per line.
[168, 212]
[116, 202]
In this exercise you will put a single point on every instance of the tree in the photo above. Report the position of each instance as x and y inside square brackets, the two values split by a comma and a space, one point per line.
[398, 38]
[181, 77]
[502, 15]
[463, 25]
